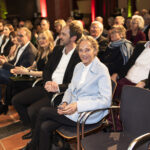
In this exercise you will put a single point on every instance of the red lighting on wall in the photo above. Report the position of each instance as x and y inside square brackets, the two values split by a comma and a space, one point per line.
[43, 8]
[104, 8]
[93, 10]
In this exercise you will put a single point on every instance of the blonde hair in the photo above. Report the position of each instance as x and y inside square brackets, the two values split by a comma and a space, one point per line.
[121, 19]
[43, 53]
[140, 21]
[60, 22]
[90, 39]
[120, 29]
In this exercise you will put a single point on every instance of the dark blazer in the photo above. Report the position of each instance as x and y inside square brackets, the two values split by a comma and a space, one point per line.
[53, 63]
[26, 59]
[7, 47]
[146, 32]
[103, 43]
[136, 52]
[113, 59]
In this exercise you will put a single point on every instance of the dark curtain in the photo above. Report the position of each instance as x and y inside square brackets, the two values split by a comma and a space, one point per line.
[105, 8]
[133, 5]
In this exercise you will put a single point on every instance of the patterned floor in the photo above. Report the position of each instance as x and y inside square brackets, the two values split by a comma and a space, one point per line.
[11, 131]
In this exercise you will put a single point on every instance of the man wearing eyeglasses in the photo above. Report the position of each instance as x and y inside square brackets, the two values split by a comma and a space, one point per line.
[96, 31]
[25, 56]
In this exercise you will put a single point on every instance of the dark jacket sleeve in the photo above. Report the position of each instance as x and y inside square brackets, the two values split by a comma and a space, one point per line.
[26, 59]
[113, 59]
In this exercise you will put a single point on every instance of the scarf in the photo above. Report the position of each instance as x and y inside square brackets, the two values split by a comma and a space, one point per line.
[125, 48]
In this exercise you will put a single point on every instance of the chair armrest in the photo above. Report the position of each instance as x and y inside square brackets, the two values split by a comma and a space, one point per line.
[138, 141]
[94, 111]
[54, 97]
[36, 81]
[87, 115]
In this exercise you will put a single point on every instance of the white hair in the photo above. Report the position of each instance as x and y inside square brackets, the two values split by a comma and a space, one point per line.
[139, 19]
[100, 25]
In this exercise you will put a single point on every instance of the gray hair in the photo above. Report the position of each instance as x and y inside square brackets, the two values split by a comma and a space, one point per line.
[100, 25]
[139, 19]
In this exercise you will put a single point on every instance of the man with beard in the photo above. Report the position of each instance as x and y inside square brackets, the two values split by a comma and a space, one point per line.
[57, 75]
[96, 31]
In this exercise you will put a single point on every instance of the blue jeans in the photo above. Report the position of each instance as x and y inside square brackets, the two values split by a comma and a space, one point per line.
[4, 78]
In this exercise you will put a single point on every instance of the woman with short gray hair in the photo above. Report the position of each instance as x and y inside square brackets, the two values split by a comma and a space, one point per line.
[135, 34]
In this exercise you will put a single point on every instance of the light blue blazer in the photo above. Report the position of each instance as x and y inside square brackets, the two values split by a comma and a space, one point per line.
[94, 93]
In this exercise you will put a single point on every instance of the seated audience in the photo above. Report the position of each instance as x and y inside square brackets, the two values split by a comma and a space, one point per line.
[25, 56]
[96, 30]
[90, 87]
[128, 24]
[46, 45]
[119, 20]
[136, 34]
[1, 31]
[146, 25]
[14, 48]
[45, 24]
[58, 25]
[143, 12]
[144, 83]
[57, 75]
[118, 50]
[110, 22]
[6, 43]
[137, 69]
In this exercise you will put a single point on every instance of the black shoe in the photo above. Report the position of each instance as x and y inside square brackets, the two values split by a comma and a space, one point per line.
[27, 136]
[3, 109]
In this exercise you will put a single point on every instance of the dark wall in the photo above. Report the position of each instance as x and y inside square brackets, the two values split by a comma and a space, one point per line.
[58, 9]
[105, 8]
[22, 8]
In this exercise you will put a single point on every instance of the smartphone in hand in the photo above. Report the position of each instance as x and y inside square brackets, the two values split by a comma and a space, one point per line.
[60, 107]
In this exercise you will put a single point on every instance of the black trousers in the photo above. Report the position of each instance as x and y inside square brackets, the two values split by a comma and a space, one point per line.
[28, 103]
[15, 87]
[48, 121]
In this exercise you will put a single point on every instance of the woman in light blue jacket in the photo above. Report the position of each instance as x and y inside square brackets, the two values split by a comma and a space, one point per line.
[90, 89]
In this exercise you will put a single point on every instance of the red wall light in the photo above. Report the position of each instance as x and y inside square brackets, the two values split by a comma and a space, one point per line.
[93, 10]
[43, 8]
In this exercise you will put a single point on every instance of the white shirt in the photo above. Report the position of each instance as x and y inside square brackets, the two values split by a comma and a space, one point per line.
[140, 70]
[55, 42]
[84, 73]
[2, 48]
[1, 39]
[21, 50]
[59, 72]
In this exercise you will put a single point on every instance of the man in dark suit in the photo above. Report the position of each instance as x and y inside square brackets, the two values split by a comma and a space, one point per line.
[24, 57]
[57, 75]
[96, 31]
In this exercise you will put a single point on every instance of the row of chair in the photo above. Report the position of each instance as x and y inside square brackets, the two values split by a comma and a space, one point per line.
[134, 113]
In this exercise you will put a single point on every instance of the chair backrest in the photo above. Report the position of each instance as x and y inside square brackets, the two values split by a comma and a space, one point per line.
[135, 109]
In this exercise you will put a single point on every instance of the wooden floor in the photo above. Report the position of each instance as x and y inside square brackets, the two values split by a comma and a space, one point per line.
[13, 141]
